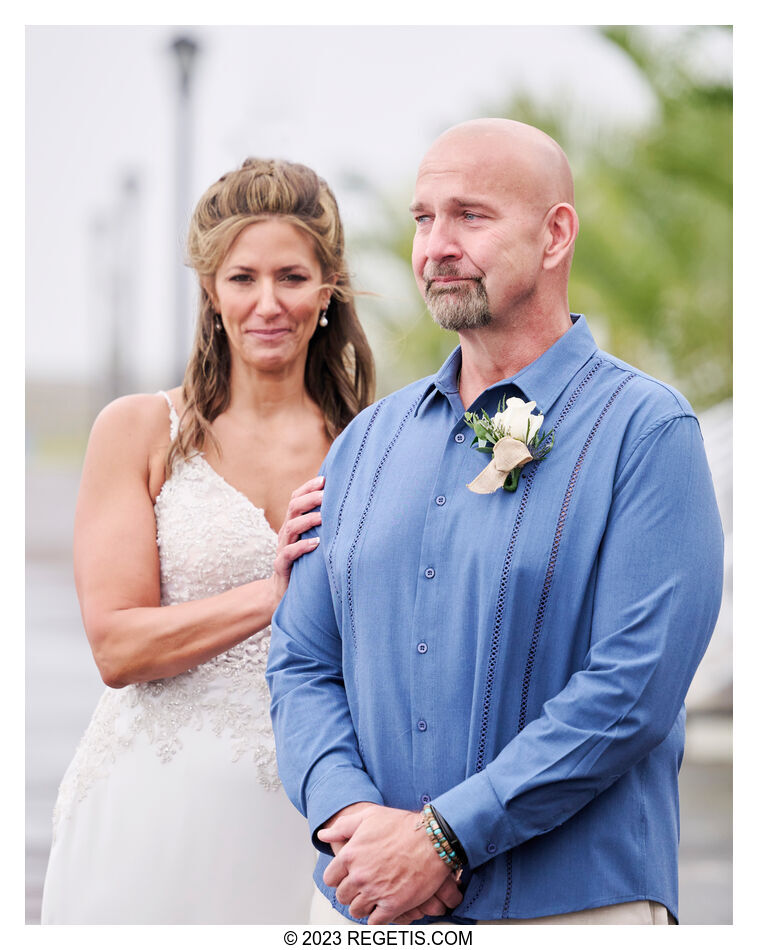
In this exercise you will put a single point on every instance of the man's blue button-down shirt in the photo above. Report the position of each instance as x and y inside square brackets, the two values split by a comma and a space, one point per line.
[518, 659]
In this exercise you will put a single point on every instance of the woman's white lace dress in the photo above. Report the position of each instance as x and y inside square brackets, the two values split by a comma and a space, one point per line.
[171, 810]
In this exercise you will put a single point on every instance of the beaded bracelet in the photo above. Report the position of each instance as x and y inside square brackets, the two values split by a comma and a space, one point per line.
[450, 835]
[439, 842]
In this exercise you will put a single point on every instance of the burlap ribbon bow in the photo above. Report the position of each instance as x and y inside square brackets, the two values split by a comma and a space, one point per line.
[507, 454]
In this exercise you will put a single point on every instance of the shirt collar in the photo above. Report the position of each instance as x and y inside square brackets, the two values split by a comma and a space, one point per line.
[445, 382]
[541, 381]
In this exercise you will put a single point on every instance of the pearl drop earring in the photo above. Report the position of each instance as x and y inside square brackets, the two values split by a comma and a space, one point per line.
[322, 319]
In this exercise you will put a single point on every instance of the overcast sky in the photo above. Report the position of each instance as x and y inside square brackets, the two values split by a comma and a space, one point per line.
[350, 101]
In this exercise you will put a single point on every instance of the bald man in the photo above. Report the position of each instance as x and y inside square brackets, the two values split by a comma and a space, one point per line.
[478, 677]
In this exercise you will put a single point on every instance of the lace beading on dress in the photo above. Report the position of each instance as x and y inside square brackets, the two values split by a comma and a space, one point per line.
[210, 538]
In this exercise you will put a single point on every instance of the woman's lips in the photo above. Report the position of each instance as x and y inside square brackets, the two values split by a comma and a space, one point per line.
[273, 333]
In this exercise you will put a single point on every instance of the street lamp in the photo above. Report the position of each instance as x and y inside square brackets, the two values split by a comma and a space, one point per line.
[185, 50]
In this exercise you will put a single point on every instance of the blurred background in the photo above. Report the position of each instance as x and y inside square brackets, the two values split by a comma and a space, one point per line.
[126, 126]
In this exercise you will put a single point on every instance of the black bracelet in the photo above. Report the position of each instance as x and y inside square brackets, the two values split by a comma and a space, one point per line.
[454, 842]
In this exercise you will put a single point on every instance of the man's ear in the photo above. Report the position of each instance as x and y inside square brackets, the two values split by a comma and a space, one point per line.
[562, 228]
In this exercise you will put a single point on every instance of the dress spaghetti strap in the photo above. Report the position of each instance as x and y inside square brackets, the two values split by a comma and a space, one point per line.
[173, 415]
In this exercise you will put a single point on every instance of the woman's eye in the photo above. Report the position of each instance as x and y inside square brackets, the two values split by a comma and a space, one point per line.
[286, 278]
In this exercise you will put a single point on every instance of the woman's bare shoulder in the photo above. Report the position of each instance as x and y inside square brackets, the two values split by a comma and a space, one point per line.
[138, 420]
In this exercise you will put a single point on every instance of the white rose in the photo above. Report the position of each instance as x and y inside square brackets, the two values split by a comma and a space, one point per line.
[513, 421]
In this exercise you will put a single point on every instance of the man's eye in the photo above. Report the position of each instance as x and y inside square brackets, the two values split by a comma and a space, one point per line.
[470, 216]
[422, 218]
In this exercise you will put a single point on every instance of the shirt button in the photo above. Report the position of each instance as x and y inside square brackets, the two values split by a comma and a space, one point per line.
[459, 437]
[491, 848]
[422, 726]
[422, 647]
[429, 572]
[440, 499]
[425, 799]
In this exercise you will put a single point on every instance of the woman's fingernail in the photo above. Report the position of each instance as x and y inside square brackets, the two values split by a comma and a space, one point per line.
[314, 541]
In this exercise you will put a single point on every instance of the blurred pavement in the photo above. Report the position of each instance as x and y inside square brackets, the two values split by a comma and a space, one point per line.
[62, 687]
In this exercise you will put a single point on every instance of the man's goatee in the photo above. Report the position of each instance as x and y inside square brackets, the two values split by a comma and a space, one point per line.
[464, 307]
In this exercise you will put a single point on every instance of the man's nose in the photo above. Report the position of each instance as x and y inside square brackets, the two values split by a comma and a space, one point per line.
[441, 242]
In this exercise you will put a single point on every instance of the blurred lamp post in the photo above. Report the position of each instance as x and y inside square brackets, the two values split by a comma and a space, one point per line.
[124, 269]
[114, 247]
[185, 50]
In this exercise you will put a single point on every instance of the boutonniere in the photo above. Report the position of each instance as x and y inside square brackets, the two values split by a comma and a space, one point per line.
[512, 437]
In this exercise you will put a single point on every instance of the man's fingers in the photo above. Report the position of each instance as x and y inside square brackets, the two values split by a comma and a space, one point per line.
[361, 906]
[382, 915]
[335, 871]
[344, 827]
[447, 897]
[433, 907]
[345, 830]
[448, 893]
[347, 892]
[409, 916]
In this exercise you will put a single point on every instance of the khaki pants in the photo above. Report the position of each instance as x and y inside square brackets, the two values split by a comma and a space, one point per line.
[633, 912]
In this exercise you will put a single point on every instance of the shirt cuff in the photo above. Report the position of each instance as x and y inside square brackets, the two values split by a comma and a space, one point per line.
[476, 817]
[340, 787]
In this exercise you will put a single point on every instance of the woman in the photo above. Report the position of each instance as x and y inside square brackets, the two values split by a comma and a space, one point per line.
[171, 810]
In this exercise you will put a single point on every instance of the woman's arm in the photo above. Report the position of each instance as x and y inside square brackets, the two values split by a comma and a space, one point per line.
[116, 564]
